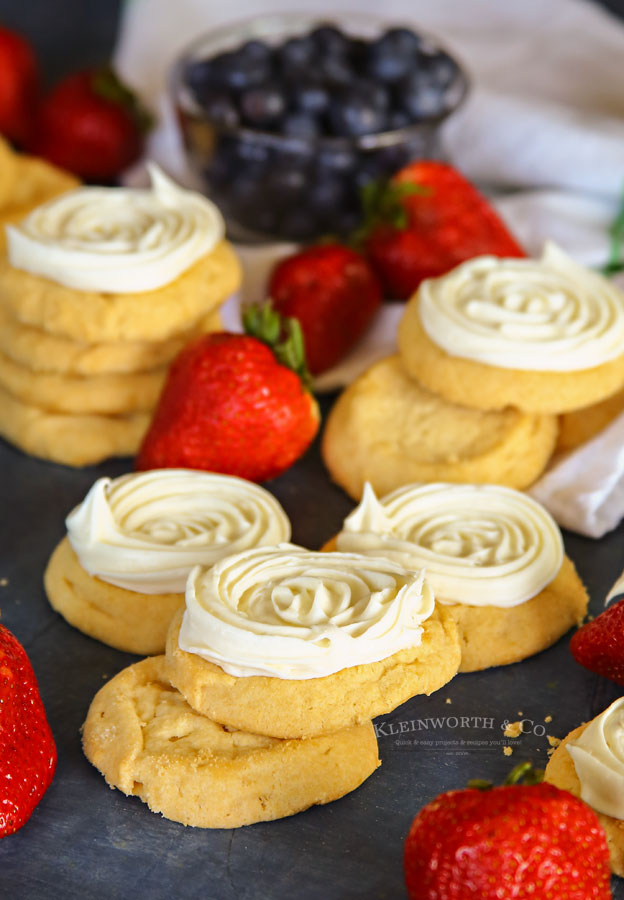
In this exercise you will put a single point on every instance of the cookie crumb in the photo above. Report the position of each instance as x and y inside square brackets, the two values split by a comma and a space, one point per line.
[513, 729]
[448, 700]
[548, 719]
[507, 751]
[553, 741]
[4, 582]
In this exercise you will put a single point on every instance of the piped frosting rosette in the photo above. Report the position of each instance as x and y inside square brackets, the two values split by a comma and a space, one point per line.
[117, 240]
[146, 531]
[541, 315]
[482, 545]
[290, 613]
[598, 756]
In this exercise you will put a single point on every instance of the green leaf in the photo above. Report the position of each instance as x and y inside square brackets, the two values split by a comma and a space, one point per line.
[615, 262]
[282, 334]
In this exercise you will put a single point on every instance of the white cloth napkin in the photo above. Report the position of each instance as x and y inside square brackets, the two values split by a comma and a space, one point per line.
[542, 132]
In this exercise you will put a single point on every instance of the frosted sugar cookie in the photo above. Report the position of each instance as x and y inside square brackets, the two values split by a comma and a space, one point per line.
[147, 741]
[108, 394]
[120, 573]
[545, 336]
[118, 264]
[493, 556]
[387, 429]
[42, 352]
[72, 440]
[575, 428]
[290, 643]
[590, 764]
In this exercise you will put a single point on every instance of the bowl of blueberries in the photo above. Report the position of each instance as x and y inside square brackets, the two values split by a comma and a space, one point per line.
[286, 118]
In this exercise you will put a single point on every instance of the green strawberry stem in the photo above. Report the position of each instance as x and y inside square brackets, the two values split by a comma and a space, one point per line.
[524, 773]
[615, 263]
[107, 84]
[382, 204]
[282, 334]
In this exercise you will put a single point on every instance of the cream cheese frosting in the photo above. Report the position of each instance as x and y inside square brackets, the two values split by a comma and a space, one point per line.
[482, 545]
[117, 240]
[286, 612]
[598, 757]
[146, 531]
[540, 315]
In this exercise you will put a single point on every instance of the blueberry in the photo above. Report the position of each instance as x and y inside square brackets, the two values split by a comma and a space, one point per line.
[392, 55]
[295, 55]
[327, 195]
[287, 186]
[199, 74]
[238, 71]
[301, 125]
[358, 109]
[337, 160]
[219, 108]
[335, 70]
[297, 224]
[439, 68]
[309, 95]
[398, 118]
[420, 97]
[263, 107]
[330, 40]
[251, 151]
[256, 50]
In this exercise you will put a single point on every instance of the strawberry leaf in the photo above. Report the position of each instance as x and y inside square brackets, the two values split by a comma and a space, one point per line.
[382, 204]
[107, 84]
[282, 334]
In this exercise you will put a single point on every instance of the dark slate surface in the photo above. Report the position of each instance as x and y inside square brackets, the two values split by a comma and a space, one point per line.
[86, 841]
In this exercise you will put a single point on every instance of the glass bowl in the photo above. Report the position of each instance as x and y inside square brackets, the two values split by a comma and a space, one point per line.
[299, 186]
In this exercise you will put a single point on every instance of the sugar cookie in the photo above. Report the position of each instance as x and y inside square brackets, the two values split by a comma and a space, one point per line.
[387, 429]
[595, 775]
[543, 336]
[307, 643]
[147, 741]
[120, 574]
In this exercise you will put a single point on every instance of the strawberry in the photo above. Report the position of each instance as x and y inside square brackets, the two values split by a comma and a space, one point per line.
[425, 222]
[522, 841]
[27, 750]
[19, 86]
[91, 125]
[599, 645]
[230, 405]
[333, 292]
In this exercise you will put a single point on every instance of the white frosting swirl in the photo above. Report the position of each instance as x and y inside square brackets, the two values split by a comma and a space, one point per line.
[482, 545]
[117, 240]
[286, 612]
[145, 532]
[548, 315]
[598, 757]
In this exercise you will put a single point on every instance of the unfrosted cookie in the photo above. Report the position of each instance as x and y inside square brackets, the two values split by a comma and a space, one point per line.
[127, 620]
[387, 429]
[42, 352]
[543, 336]
[561, 772]
[299, 614]
[73, 440]
[119, 575]
[92, 316]
[107, 394]
[575, 428]
[147, 741]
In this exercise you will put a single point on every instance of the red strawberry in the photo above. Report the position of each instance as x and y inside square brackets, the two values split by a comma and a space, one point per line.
[27, 750]
[91, 125]
[431, 220]
[524, 841]
[599, 645]
[19, 86]
[333, 292]
[230, 406]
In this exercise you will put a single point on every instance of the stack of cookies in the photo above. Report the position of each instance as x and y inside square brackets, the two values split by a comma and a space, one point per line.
[99, 290]
[262, 704]
[490, 356]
